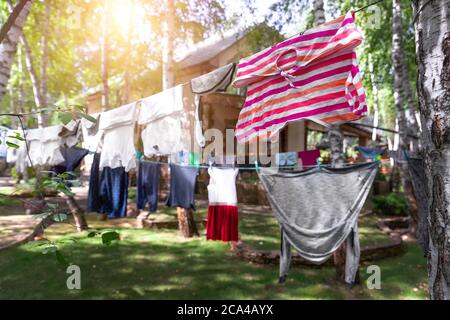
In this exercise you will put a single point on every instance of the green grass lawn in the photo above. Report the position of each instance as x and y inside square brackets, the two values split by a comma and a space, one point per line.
[148, 264]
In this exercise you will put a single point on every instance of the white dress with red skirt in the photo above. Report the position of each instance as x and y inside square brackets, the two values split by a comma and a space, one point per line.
[223, 218]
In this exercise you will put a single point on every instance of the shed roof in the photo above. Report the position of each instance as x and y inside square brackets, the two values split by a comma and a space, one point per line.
[209, 48]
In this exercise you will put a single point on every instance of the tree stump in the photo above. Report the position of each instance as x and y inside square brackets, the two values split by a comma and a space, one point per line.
[186, 223]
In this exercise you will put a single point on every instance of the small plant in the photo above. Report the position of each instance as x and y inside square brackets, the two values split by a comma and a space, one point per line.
[392, 204]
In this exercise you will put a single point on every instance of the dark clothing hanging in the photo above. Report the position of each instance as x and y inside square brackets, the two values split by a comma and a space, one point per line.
[182, 187]
[93, 201]
[420, 185]
[114, 192]
[147, 185]
[318, 210]
[72, 159]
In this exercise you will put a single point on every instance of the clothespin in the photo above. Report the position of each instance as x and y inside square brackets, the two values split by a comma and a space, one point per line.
[319, 163]
[256, 166]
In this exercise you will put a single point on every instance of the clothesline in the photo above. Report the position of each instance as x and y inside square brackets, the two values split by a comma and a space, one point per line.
[368, 6]
[256, 167]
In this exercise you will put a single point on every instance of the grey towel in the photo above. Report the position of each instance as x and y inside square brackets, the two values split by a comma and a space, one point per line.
[318, 210]
[420, 185]
[215, 81]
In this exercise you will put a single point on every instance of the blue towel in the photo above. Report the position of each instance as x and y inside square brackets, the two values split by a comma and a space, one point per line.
[369, 152]
[182, 187]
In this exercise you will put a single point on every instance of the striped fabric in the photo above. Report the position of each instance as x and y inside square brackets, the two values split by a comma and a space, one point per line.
[310, 76]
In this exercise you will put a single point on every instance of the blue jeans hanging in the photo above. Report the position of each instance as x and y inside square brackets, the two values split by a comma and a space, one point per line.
[114, 192]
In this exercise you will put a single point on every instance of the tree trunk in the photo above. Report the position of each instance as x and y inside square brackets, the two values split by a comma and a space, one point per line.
[44, 58]
[405, 142]
[20, 92]
[29, 61]
[432, 27]
[319, 12]
[376, 113]
[104, 54]
[401, 68]
[336, 140]
[186, 223]
[8, 47]
[15, 13]
[168, 46]
[78, 214]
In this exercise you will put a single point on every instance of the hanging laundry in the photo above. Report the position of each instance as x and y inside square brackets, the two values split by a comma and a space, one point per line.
[34, 137]
[45, 143]
[309, 157]
[181, 158]
[3, 146]
[44, 146]
[370, 153]
[72, 159]
[228, 160]
[162, 115]
[310, 76]
[216, 81]
[416, 168]
[148, 185]
[114, 192]
[184, 158]
[92, 137]
[118, 140]
[17, 156]
[94, 203]
[182, 187]
[91, 133]
[71, 133]
[318, 210]
[286, 159]
[223, 217]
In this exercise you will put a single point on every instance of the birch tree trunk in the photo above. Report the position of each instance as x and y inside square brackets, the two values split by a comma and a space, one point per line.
[168, 80]
[405, 126]
[336, 140]
[432, 28]
[20, 92]
[29, 62]
[44, 58]
[376, 113]
[8, 47]
[104, 56]
[319, 12]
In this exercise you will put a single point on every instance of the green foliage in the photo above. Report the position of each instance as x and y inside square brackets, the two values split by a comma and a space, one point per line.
[392, 204]
[107, 236]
